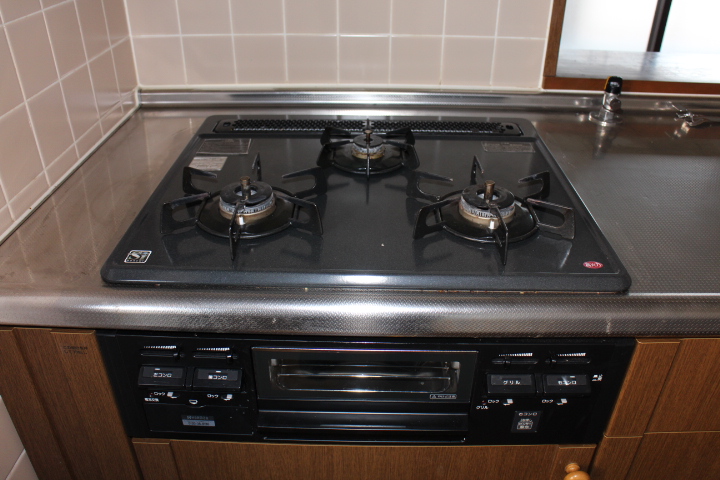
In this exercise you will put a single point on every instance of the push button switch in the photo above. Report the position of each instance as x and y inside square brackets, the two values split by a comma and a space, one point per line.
[526, 421]
[559, 383]
[511, 383]
[217, 378]
[167, 376]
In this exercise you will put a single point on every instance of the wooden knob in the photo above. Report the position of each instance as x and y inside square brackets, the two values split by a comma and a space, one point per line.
[574, 472]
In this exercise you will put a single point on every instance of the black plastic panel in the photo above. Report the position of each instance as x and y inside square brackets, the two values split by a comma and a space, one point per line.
[482, 415]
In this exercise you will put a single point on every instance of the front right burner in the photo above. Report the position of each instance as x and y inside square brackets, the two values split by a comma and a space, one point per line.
[487, 213]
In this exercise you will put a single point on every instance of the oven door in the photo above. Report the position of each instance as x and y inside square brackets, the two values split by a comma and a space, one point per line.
[364, 375]
[363, 390]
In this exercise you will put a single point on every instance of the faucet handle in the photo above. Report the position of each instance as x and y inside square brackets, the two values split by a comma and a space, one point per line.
[609, 112]
[613, 85]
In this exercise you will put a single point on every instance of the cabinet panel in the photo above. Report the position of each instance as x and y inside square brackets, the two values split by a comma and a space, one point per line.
[57, 392]
[156, 459]
[644, 381]
[85, 371]
[567, 454]
[673, 456]
[614, 457]
[26, 409]
[48, 375]
[231, 461]
[689, 399]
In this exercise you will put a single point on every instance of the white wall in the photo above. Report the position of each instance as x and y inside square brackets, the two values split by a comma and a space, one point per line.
[14, 462]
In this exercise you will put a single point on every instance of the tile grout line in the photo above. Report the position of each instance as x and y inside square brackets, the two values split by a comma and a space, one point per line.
[442, 42]
[92, 82]
[45, 163]
[182, 44]
[131, 37]
[23, 105]
[285, 43]
[232, 41]
[353, 35]
[78, 136]
[495, 43]
[390, 44]
[545, 45]
[42, 9]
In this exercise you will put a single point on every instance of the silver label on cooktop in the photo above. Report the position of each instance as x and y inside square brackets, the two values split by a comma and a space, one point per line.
[208, 163]
[508, 147]
[225, 146]
[138, 256]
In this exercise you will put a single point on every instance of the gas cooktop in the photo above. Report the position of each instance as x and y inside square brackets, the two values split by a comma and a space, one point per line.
[423, 203]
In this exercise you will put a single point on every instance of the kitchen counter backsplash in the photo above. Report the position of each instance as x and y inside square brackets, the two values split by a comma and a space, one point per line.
[471, 44]
[67, 79]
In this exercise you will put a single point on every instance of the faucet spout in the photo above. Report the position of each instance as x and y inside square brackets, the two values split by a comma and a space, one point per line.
[611, 109]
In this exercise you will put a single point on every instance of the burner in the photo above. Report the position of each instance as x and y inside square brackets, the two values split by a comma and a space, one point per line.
[247, 201]
[368, 153]
[368, 145]
[487, 213]
[247, 209]
[477, 202]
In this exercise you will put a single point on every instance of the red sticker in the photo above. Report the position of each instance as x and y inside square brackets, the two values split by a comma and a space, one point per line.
[594, 265]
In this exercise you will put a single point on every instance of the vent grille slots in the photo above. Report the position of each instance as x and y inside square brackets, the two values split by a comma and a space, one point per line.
[379, 126]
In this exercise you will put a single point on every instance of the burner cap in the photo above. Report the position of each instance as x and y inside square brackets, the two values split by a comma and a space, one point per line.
[477, 202]
[256, 200]
[368, 143]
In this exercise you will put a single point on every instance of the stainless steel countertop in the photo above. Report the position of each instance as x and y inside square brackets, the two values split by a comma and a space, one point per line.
[651, 186]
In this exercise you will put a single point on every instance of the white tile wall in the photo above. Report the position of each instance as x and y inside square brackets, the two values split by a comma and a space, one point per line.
[14, 462]
[467, 44]
[67, 77]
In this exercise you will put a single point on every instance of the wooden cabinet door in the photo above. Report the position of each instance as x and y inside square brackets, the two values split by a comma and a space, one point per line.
[675, 456]
[59, 396]
[194, 460]
[690, 397]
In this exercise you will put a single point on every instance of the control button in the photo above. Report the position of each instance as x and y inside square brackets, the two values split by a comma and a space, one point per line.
[558, 383]
[511, 383]
[168, 376]
[223, 378]
[526, 421]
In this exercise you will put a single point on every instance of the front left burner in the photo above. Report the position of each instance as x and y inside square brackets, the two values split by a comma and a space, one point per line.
[243, 210]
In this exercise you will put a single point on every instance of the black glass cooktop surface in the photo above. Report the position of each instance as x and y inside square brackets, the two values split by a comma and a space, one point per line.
[451, 204]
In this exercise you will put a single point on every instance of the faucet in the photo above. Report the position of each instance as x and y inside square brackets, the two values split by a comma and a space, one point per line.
[611, 109]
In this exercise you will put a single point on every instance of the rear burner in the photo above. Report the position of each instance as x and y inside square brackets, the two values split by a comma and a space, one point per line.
[369, 153]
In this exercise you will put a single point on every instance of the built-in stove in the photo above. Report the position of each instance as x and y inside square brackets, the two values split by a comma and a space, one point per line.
[394, 203]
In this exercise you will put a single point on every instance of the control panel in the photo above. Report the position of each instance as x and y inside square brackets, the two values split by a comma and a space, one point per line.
[454, 391]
